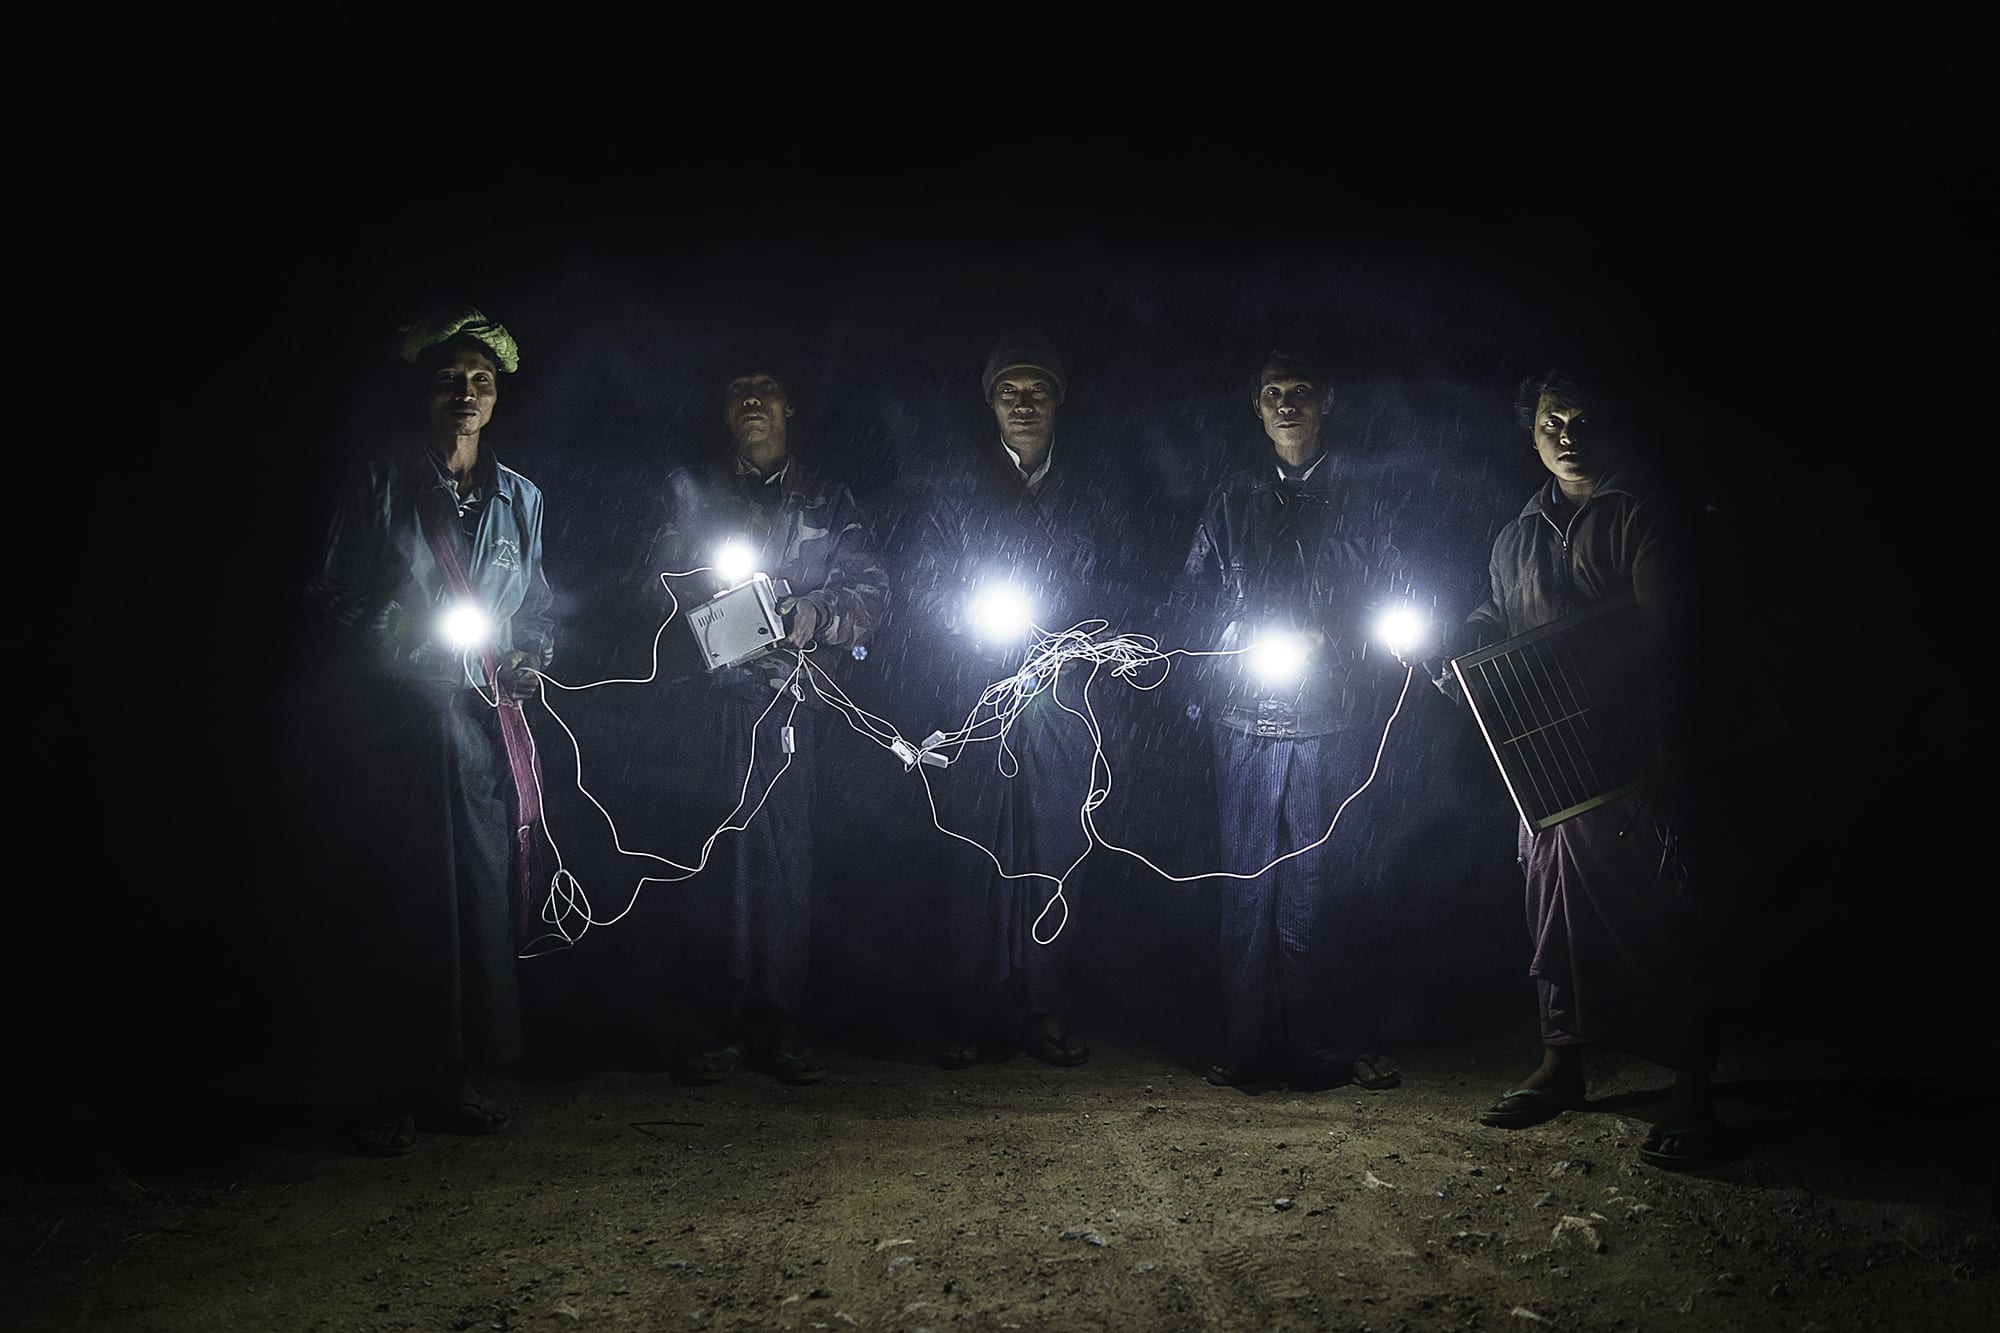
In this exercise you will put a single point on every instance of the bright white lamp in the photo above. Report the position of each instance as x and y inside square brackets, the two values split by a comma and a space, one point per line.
[735, 561]
[1001, 613]
[1400, 629]
[1278, 656]
[464, 626]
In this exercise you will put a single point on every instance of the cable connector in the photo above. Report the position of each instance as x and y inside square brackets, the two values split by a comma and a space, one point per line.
[787, 741]
[930, 754]
[904, 751]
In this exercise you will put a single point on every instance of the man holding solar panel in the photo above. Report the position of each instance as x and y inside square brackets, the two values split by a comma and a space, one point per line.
[1589, 600]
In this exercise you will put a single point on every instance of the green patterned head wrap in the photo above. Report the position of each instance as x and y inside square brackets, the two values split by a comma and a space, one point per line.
[427, 331]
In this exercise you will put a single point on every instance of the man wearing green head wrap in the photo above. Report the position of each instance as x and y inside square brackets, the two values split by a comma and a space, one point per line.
[425, 332]
[436, 614]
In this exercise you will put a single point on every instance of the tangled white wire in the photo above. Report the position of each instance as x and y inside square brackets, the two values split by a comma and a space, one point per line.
[567, 910]
[1001, 704]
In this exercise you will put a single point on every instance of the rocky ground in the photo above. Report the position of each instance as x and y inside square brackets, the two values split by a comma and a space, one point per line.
[1125, 1194]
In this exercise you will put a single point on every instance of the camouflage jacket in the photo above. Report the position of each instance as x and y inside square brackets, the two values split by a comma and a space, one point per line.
[808, 531]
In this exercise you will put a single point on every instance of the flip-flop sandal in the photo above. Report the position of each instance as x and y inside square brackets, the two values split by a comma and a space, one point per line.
[469, 1112]
[712, 1066]
[1376, 1072]
[1526, 1106]
[1694, 1146]
[387, 1136]
[1057, 1051]
[798, 1067]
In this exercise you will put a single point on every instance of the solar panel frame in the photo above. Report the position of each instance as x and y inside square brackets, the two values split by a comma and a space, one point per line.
[1563, 710]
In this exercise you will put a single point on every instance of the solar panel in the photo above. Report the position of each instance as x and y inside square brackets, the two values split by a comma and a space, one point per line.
[1563, 708]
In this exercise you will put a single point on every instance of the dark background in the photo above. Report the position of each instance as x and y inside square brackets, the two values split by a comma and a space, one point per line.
[1775, 243]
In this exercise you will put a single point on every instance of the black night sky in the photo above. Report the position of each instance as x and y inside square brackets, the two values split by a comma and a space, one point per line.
[1778, 244]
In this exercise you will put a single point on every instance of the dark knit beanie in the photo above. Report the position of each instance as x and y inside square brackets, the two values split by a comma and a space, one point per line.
[1024, 349]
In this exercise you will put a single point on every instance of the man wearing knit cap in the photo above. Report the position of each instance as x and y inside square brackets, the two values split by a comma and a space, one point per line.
[1024, 382]
[1009, 515]
[435, 617]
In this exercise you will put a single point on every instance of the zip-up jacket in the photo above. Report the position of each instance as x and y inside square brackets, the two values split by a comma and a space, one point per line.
[1623, 540]
[1298, 555]
[1545, 567]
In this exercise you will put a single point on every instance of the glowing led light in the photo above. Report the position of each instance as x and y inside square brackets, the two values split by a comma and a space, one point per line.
[1001, 613]
[1400, 629]
[735, 561]
[464, 626]
[1278, 656]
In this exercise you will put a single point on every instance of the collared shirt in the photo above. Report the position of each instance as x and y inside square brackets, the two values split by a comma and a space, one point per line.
[379, 577]
[1033, 479]
[470, 501]
[1286, 474]
[745, 468]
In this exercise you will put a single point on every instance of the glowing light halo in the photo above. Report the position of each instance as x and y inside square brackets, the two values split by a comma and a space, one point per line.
[1278, 656]
[1001, 613]
[568, 912]
[735, 561]
[465, 626]
[1401, 629]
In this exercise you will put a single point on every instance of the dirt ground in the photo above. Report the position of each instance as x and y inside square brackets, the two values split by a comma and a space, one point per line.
[1125, 1194]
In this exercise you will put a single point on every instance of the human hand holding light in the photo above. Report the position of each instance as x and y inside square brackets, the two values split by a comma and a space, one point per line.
[805, 620]
[1408, 635]
[519, 676]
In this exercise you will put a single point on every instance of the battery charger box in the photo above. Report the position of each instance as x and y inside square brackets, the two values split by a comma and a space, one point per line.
[735, 625]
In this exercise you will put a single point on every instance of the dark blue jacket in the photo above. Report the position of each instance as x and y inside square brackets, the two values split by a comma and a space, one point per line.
[1296, 555]
[1064, 545]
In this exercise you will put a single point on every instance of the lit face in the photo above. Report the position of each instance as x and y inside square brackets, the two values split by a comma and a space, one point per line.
[1562, 433]
[756, 407]
[1289, 407]
[462, 390]
[1024, 403]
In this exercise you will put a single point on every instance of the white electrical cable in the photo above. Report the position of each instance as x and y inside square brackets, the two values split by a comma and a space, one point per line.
[992, 717]
[1041, 672]
[567, 909]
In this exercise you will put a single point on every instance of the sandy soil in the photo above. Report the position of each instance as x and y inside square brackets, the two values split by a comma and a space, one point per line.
[1125, 1194]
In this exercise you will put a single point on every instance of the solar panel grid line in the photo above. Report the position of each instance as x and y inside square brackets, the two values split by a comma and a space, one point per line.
[1536, 689]
[1552, 742]
[1583, 704]
[1514, 717]
[1496, 676]
[1556, 708]
[1533, 764]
